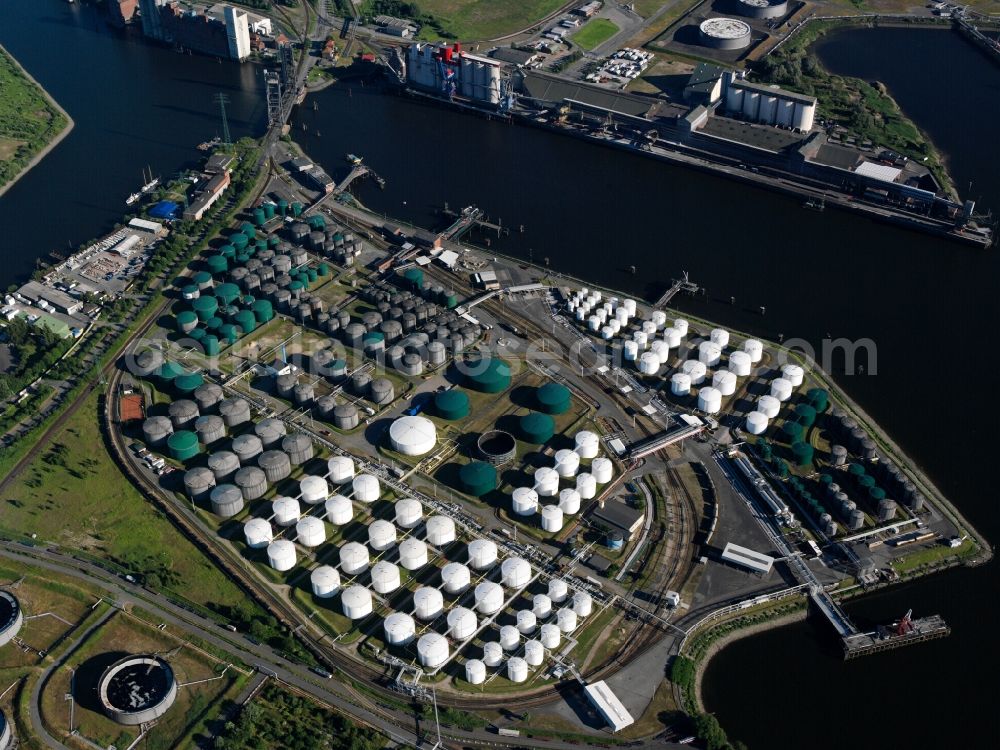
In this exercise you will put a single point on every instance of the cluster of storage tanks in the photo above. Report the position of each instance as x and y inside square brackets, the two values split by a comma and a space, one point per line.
[332, 241]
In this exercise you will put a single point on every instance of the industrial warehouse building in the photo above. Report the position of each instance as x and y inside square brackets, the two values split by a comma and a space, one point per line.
[619, 516]
[39, 293]
[208, 195]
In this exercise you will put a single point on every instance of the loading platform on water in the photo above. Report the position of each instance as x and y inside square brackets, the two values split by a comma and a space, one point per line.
[465, 219]
[683, 284]
[901, 633]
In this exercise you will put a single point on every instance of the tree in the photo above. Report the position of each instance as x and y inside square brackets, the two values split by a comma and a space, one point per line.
[707, 727]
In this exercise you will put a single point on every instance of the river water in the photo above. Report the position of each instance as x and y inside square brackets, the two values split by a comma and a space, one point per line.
[930, 305]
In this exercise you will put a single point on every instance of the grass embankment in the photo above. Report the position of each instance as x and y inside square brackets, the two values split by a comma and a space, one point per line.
[594, 33]
[29, 119]
[465, 20]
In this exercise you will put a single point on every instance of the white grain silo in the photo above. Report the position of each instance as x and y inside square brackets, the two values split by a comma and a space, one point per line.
[695, 370]
[550, 636]
[725, 382]
[409, 512]
[630, 351]
[754, 348]
[534, 653]
[566, 619]
[567, 463]
[546, 481]
[309, 531]
[482, 553]
[440, 530]
[385, 577]
[455, 578]
[356, 602]
[552, 518]
[258, 533]
[510, 638]
[428, 603]
[339, 510]
[541, 605]
[381, 535]
[286, 510]
[492, 654]
[475, 672]
[769, 406]
[524, 501]
[709, 353]
[412, 553]
[462, 623]
[661, 349]
[649, 363]
[353, 558]
[569, 501]
[680, 384]
[586, 485]
[515, 572]
[314, 490]
[489, 597]
[740, 364]
[672, 337]
[781, 389]
[527, 621]
[366, 488]
[517, 669]
[281, 555]
[709, 399]
[602, 469]
[583, 603]
[756, 422]
[587, 444]
[719, 337]
[325, 581]
[558, 590]
[681, 326]
[341, 469]
[399, 629]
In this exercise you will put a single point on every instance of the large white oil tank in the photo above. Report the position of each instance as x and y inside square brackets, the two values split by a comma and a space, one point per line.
[475, 672]
[781, 389]
[672, 337]
[409, 512]
[681, 326]
[569, 501]
[587, 444]
[740, 363]
[649, 328]
[552, 518]
[593, 323]
[754, 348]
[412, 553]
[341, 469]
[527, 621]
[432, 650]
[566, 619]
[534, 653]
[492, 654]
[356, 602]
[558, 590]
[756, 422]
[719, 337]
[510, 638]
[695, 370]
[709, 400]
[281, 555]
[631, 306]
[399, 629]
[258, 533]
[440, 530]
[482, 553]
[661, 349]
[381, 535]
[489, 597]
[649, 363]
[725, 382]
[313, 490]
[550, 636]
[339, 510]
[581, 314]
[546, 481]
[630, 350]
[793, 374]
[541, 605]
[709, 353]
[524, 501]
[658, 318]
[413, 435]
[608, 332]
[769, 406]
[428, 603]
[586, 485]
[366, 488]
[621, 315]
[325, 581]
[462, 623]
[455, 578]
[286, 510]
[310, 531]
[567, 463]
[680, 384]
[641, 338]
[583, 603]
[602, 469]
[517, 669]
[385, 577]
[353, 558]
[515, 572]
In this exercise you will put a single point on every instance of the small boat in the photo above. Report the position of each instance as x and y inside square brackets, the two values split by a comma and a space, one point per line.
[815, 205]
[132, 199]
[355, 160]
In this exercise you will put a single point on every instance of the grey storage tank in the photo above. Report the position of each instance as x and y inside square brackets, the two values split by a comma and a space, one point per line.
[182, 413]
[285, 384]
[411, 365]
[353, 333]
[223, 465]
[382, 391]
[276, 465]
[304, 394]
[345, 417]
[325, 406]
[856, 521]
[392, 330]
[868, 449]
[361, 383]
[436, 353]
[838, 455]
[234, 411]
[251, 481]
[207, 395]
[227, 500]
[299, 448]
[270, 431]
[156, 430]
[886, 510]
[210, 428]
[247, 448]
[198, 482]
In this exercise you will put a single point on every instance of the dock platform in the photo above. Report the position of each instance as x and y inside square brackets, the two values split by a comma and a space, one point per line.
[919, 630]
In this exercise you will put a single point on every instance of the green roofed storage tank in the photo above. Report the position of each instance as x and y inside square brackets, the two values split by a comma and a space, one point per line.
[792, 430]
[478, 478]
[229, 332]
[819, 398]
[243, 258]
[414, 277]
[245, 320]
[269, 210]
[317, 222]
[452, 404]
[217, 265]
[856, 470]
[867, 481]
[187, 382]
[248, 229]
[876, 493]
[205, 307]
[802, 452]
[169, 370]
[323, 269]
[490, 375]
[296, 209]
[212, 324]
[186, 321]
[197, 334]
[227, 293]
[211, 344]
[239, 241]
[282, 206]
[183, 445]
[536, 428]
[303, 276]
[311, 274]
[806, 415]
[202, 279]
[259, 217]
[263, 310]
[450, 300]
[190, 291]
[553, 398]
[273, 241]
[228, 251]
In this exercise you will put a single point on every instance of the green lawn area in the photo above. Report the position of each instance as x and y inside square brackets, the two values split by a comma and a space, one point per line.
[74, 495]
[468, 20]
[594, 32]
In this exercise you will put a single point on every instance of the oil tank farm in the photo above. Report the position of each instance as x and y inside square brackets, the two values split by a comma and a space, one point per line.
[11, 618]
[137, 689]
[725, 33]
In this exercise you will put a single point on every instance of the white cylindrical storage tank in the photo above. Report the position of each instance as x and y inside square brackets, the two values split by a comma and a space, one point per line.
[552, 518]
[630, 307]
[510, 639]
[769, 406]
[455, 577]
[534, 653]
[756, 422]
[672, 337]
[583, 603]
[440, 530]
[581, 314]
[258, 533]
[325, 581]
[381, 535]
[356, 602]
[587, 444]
[593, 323]
[719, 337]
[353, 558]
[475, 672]
[432, 650]
[725, 382]
[462, 623]
[630, 351]
[661, 349]
[793, 374]
[482, 553]
[409, 512]
[385, 577]
[649, 363]
[314, 490]
[281, 555]
[546, 481]
[413, 435]
[709, 353]
[709, 400]
[524, 501]
[658, 318]
[541, 605]
[641, 338]
[428, 603]
[567, 463]
[399, 629]
[339, 510]
[586, 485]
[781, 389]
[286, 510]
[341, 469]
[566, 619]
[558, 590]
[681, 326]
[412, 553]
[310, 531]
[695, 370]
[680, 384]
[602, 469]
[569, 501]
[492, 654]
[648, 328]
[608, 332]
[740, 364]
[754, 348]
[366, 488]
[515, 572]
[489, 597]
[550, 636]
[517, 669]
[527, 621]
[621, 315]
[614, 326]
